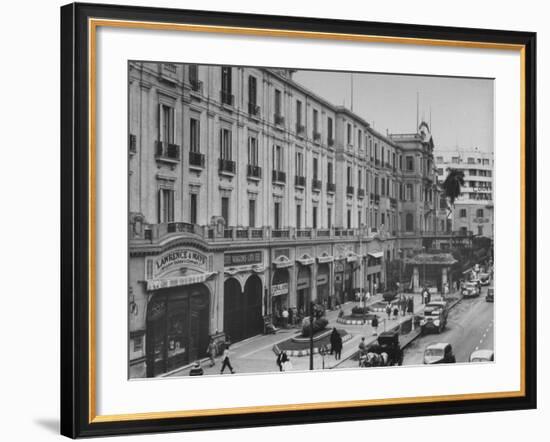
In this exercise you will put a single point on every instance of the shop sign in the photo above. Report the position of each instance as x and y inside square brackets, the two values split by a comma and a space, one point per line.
[322, 279]
[177, 258]
[279, 289]
[303, 283]
[241, 259]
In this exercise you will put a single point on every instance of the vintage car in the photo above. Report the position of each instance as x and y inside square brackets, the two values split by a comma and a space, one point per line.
[470, 289]
[484, 279]
[435, 317]
[490, 296]
[439, 353]
[484, 355]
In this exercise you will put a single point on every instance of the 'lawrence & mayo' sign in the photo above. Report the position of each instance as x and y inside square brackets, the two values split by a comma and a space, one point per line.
[176, 258]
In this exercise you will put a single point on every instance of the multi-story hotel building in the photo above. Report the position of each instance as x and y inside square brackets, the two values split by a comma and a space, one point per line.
[249, 194]
[474, 209]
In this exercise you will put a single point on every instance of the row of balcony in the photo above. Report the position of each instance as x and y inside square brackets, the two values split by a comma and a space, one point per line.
[171, 151]
[155, 232]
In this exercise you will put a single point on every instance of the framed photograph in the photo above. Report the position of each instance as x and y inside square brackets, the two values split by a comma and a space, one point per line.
[274, 220]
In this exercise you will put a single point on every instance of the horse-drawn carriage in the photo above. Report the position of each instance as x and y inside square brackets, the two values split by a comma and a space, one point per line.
[386, 351]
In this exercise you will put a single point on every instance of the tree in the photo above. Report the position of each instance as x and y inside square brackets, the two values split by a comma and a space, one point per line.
[452, 186]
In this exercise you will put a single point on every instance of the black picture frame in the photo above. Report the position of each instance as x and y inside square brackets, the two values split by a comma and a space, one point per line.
[75, 220]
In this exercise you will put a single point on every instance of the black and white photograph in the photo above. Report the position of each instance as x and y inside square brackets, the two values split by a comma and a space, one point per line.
[289, 220]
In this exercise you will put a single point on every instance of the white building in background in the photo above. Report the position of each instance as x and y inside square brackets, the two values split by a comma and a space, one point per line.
[474, 209]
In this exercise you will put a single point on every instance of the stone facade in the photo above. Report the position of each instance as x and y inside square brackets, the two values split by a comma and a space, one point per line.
[250, 194]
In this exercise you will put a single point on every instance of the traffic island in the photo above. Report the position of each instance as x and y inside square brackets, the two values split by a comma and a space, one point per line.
[300, 345]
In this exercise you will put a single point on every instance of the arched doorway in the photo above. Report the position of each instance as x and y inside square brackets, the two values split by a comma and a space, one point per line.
[177, 327]
[242, 310]
[303, 286]
[232, 310]
[253, 294]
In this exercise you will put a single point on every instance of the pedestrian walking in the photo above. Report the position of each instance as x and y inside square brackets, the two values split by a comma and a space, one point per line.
[285, 317]
[279, 361]
[285, 362]
[333, 338]
[226, 362]
[374, 325]
[395, 312]
[410, 305]
[362, 346]
[337, 346]
[211, 352]
[388, 310]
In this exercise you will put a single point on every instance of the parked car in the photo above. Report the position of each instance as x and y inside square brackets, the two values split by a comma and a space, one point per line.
[439, 353]
[435, 317]
[490, 296]
[484, 355]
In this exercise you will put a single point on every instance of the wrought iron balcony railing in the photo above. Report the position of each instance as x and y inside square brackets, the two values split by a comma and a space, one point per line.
[279, 120]
[278, 176]
[226, 166]
[331, 187]
[167, 151]
[300, 129]
[300, 181]
[316, 184]
[254, 171]
[196, 159]
[350, 190]
[253, 109]
[226, 98]
[196, 86]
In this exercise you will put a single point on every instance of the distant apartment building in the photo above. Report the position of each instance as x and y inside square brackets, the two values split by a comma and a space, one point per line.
[474, 209]
[250, 194]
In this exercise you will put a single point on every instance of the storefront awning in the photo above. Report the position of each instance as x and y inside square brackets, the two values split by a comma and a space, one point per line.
[306, 260]
[325, 258]
[282, 262]
[164, 283]
[376, 254]
[352, 257]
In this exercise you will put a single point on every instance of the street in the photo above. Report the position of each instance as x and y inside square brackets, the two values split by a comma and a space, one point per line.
[469, 328]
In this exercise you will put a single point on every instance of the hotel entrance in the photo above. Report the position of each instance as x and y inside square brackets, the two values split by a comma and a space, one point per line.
[177, 328]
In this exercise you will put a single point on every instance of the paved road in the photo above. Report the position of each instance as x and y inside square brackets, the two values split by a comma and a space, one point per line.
[469, 327]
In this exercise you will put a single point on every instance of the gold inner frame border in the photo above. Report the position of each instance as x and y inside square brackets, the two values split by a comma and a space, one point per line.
[93, 24]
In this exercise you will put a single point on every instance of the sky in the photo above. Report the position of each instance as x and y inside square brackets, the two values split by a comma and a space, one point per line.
[461, 108]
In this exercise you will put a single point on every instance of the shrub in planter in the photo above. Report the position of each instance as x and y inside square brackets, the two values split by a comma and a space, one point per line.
[360, 310]
[318, 325]
[389, 296]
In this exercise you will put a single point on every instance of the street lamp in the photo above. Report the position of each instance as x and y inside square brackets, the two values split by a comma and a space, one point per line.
[311, 335]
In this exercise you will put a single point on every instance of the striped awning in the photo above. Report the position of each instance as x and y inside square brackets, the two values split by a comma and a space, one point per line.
[376, 254]
[325, 258]
[164, 283]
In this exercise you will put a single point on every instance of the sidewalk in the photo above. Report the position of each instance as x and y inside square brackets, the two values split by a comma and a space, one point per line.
[255, 354]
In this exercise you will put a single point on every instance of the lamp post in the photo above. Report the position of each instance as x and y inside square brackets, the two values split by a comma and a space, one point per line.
[311, 335]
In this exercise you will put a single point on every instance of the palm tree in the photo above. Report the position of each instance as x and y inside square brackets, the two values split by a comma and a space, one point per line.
[452, 186]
